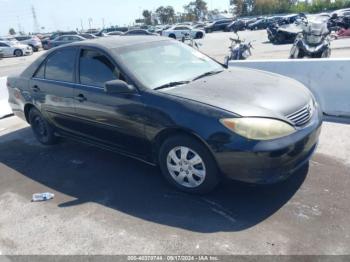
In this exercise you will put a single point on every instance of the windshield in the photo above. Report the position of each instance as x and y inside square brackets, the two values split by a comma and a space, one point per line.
[159, 63]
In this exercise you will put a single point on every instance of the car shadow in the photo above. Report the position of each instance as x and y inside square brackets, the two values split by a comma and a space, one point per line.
[89, 174]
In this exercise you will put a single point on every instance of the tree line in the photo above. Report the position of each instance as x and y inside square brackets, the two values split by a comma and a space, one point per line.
[267, 7]
[193, 11]
[198, 9]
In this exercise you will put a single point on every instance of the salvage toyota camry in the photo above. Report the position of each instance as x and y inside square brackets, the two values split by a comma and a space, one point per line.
[162, 102]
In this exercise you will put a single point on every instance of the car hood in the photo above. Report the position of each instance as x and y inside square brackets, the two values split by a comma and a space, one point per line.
[247, 92]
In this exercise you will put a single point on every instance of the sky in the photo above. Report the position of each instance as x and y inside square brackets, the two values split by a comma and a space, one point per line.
[72, 14]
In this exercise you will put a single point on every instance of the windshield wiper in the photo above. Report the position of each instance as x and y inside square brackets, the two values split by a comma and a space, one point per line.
[171, 84]
[210, 73]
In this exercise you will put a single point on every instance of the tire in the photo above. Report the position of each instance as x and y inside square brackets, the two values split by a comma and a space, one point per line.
[326, 53]
[35, 49]
[172, 36]
[199, 35]
[280, 39]
[42, 130]
[200, 176]
[18, 53]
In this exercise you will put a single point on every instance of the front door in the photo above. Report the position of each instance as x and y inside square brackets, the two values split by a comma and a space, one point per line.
[113, 120]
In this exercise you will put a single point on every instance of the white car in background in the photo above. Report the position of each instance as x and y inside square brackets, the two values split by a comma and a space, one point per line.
[179, 31]
[33, 41]
[13, 48]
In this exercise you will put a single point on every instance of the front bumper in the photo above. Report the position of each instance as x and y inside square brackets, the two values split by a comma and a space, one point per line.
[265, 162]
[28, 51]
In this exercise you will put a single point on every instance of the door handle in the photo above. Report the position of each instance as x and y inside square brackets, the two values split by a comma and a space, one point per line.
[80, 98]
[35, 88]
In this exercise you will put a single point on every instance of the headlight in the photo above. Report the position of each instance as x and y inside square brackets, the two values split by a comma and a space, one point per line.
[258, 128]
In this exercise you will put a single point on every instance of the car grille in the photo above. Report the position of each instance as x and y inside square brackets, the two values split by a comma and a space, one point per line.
[302, 116]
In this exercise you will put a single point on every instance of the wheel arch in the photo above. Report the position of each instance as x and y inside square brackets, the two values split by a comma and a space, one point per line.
[17, 49]
[163, 135]
[27, 109]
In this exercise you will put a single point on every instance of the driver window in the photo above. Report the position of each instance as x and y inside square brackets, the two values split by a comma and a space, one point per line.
[95, 69]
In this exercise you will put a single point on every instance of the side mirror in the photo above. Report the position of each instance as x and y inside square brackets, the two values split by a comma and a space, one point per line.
[118, 87]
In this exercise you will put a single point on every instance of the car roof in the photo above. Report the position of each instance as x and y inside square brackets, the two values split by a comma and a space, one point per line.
[112, 42]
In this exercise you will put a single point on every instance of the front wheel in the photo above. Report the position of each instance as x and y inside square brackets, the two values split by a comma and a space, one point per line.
[326, 53]
[18, 53]
[188, 165]
[42, 130]
[294, 52]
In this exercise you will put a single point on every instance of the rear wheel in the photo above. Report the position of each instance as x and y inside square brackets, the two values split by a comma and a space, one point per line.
[188, 165]
[41, 128]
[18, 52]
[199, 35]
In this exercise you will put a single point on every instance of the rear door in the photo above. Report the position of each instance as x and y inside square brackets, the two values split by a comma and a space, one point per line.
[6, 49]
[52, 87]
[113, 120]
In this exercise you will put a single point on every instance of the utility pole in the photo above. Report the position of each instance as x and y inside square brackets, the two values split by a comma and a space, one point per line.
[81, 24]
[19, 25]
[90, 23]
[35, 20]
[103, 23]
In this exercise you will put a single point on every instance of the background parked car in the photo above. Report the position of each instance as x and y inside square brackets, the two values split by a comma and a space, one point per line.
[178, 31]
[65, 39]
[219, 25]
[8, 39]
[12, 48]
[87, 36]
[139, 32]
[33, 41]
[259, 24]
[105, 31]
[45, 41]
[235, 26]
[114, 33]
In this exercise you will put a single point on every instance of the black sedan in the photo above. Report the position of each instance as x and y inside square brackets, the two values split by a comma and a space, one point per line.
[259, 24]
[164, 103]
[219, 25]
[238, 25]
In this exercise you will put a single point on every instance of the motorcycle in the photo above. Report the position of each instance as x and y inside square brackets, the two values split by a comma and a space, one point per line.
[313, 42]
[239, 50]
[283, 34]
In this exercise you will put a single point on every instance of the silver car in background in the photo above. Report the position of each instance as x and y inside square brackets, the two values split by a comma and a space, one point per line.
[33, 41]
[14, 48]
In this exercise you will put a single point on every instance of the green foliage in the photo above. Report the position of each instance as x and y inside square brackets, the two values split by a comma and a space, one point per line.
[196, 10]
[166, 14]
[148, 17]
[12, 31]
[266, 7]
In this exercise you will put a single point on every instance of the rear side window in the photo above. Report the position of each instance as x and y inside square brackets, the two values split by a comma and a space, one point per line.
[60, 65]
[40, 73]
[96, 69]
